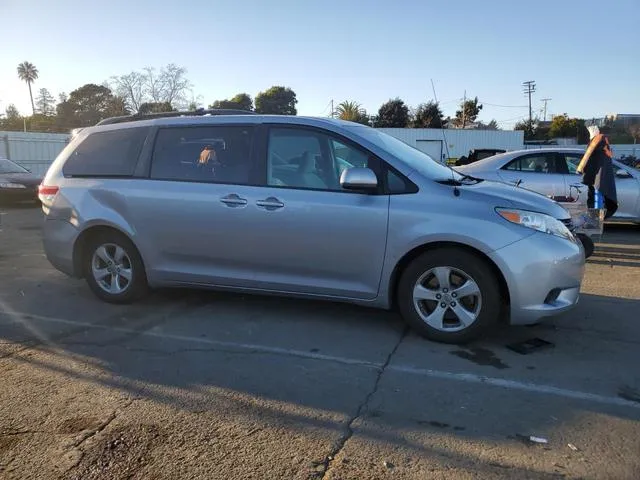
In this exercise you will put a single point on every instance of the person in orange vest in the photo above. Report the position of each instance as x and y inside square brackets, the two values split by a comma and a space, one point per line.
[597, 173]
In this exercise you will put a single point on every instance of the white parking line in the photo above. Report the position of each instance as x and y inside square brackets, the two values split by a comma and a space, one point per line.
[439, 374]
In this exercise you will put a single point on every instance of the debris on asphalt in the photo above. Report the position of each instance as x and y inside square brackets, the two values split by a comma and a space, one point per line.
[387, 464]
[529, 346]
[532, 439]
[572, 447]
[538, 439]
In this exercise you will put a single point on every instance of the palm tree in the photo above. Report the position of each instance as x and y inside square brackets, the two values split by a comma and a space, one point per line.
[28, 73]
[351, 111]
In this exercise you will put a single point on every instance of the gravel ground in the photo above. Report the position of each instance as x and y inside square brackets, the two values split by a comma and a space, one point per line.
[190, 384]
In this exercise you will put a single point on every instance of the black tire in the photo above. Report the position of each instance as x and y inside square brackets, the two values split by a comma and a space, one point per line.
[587, 244]
[136, 288]
[475, 268]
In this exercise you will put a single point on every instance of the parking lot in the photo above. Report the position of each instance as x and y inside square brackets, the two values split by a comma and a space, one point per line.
[192, 384]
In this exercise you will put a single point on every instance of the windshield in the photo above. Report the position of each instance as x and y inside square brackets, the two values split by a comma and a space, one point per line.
[7, 166]
[411, 156]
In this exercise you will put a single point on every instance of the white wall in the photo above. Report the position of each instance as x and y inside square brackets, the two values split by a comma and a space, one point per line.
[458, 142]
[34, 151]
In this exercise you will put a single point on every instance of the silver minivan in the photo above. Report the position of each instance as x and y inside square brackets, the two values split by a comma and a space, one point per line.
[307, 207]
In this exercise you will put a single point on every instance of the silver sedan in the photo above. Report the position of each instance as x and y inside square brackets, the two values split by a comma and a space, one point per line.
[552, 172]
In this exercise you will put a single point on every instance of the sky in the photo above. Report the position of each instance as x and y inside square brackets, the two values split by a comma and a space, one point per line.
[583, 55]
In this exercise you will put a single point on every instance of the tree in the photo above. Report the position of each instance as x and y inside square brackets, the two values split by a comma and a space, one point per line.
[393, 114]
[13, 120]
[564, 127]
[27, 72]
[634, 131]
[468, 113]
[242, 101]
[45, 103]
[89, 104]
[529, 128]
[155, 107]
[131, 87]
[168, 85]
[277, 100]
[428, 115]
[492, 125]
[351, 112]
[12, 112]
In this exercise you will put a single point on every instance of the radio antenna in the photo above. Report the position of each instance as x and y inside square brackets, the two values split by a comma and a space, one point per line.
[456, 192]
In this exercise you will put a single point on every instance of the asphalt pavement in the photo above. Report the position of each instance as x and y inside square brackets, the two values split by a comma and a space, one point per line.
[197, 384]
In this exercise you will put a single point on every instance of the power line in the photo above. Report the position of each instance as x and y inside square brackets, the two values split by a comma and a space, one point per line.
[501, 106]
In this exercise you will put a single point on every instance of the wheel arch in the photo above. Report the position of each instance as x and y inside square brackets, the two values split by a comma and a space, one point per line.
[90, 232]
[408, 257]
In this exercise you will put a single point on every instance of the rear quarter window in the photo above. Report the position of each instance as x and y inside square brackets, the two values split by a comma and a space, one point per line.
[111, 153]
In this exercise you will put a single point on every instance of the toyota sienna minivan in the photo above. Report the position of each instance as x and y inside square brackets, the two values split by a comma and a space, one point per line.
[304, 207]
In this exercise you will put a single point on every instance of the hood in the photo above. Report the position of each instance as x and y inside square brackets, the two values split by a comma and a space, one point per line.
[517, 197]
[26, 179]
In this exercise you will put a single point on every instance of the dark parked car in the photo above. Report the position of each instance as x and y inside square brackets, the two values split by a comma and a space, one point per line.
[17, 184]
[478, 154]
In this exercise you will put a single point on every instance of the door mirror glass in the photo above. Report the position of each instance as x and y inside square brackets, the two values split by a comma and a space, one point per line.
[622, 173]
[358, 178]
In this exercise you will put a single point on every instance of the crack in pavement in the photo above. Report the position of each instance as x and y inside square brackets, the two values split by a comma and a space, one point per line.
[348, 431]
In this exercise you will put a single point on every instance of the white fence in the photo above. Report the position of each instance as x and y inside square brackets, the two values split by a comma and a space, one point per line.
[34, 151]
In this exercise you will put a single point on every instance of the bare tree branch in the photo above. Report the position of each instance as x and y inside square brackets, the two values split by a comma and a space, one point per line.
[131, 88]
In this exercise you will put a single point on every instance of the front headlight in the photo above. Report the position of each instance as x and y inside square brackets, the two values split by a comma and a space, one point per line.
[11, 185]
[537, 221]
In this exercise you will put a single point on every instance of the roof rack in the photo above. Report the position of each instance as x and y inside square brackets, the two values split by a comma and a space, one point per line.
[189, 113]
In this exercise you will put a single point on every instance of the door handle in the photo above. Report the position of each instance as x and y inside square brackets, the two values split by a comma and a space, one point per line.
[233, 200]
[270, 203]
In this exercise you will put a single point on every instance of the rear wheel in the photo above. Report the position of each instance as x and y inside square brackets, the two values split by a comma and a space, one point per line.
[113, 268]
[449, 295]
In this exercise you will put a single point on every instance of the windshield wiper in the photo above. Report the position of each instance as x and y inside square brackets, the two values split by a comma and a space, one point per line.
[465, 180]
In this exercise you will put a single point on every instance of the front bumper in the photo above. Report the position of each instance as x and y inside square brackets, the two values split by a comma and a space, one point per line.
[543, 274]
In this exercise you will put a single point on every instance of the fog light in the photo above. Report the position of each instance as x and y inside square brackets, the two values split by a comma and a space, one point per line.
[552, 296]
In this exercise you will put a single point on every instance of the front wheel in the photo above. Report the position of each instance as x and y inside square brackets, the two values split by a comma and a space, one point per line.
[587, 244]
[113, 268]
[449, 295]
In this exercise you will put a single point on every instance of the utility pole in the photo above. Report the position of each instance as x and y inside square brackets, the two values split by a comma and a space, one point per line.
[545, 100]
[332, 108]
[529, 88]
[464, 110]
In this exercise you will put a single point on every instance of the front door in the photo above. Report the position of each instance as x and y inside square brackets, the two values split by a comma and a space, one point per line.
[311, 235]
[537, 172]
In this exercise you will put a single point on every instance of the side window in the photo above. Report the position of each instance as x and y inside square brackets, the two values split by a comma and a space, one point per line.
[542, 163]
[215, 154]
[110, 153]
[572, 161]
[309, 159]
[513, 165]
[397, 184]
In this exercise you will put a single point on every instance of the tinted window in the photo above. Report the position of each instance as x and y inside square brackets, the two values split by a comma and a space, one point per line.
[309, 159]
[111, 153]
[217, 154]
[7, 166]
[542, 163]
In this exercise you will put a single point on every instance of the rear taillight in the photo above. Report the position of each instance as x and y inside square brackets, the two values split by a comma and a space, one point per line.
[46, 193]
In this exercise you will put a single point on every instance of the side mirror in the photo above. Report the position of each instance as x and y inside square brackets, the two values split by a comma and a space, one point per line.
[621, 173]
[358, 178]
